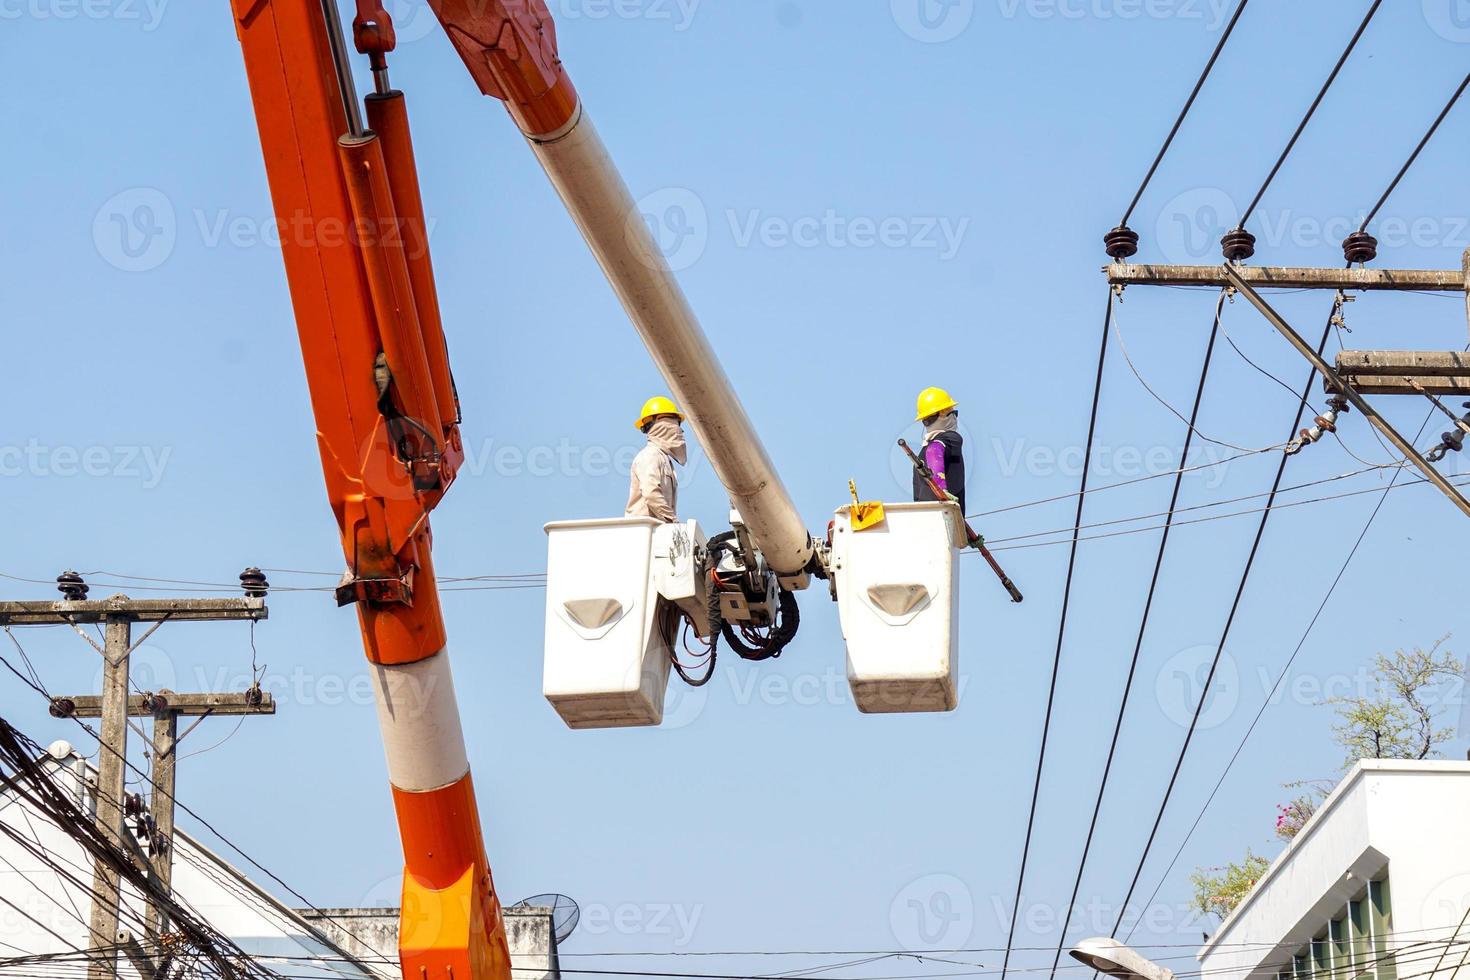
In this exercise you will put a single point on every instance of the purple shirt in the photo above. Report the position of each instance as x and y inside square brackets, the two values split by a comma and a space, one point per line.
[934, 459]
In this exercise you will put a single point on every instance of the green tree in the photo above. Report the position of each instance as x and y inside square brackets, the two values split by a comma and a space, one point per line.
[1397, 718]
[1218, 890]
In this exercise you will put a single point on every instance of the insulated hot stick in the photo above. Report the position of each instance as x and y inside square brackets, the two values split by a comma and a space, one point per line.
[976, 540]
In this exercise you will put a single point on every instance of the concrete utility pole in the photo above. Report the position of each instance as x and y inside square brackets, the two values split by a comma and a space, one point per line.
[1392, 372]
[1386, 372]
[1337, 384]
[114, 706]
[166, 708]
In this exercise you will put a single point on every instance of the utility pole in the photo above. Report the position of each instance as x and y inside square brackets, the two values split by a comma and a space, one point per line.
[166, 707]
[1377, 372]
[114, 706]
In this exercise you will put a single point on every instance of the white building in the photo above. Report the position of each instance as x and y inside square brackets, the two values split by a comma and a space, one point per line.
[1374, 887]
[44, 909]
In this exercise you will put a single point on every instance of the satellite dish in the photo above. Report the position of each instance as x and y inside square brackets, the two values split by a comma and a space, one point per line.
[565, 913]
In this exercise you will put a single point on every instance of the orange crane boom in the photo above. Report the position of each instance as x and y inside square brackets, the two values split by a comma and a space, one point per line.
[387, 418]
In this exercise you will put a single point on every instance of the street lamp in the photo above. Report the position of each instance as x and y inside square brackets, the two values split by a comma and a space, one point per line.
[1116, 960]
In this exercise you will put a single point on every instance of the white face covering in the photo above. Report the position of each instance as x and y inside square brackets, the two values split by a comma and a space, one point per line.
[946, 422]
[667, 435]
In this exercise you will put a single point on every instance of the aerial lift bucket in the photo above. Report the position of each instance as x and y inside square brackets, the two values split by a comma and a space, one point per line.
[896, 585]
[615, 590]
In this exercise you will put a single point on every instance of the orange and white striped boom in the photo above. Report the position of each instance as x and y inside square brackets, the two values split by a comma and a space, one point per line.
[387, 418]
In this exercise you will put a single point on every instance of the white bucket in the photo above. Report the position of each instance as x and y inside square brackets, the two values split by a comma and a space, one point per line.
[607, 662]
[896, 598]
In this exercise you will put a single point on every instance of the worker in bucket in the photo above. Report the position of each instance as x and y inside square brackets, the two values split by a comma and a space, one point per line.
[943, 445]
[654, 488]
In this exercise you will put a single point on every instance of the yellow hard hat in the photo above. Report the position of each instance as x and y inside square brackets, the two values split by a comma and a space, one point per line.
[657, 405]
[932, 401]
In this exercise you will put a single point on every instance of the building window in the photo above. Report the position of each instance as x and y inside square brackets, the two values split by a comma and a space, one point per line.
[1354, 945]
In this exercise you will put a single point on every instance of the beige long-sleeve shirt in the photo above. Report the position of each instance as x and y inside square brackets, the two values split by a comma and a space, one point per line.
[654, 488]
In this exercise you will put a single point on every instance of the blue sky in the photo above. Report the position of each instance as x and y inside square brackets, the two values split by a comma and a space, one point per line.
[863, 202]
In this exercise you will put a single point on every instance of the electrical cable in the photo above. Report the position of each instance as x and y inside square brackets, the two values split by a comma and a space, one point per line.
[1419, 481]
[1280, 677]
[37, 788]
[1311, 111]
[1373, 212]
[1225, 633]
[1433, 128]
[1123, 348]
[1113, 522]
[1056, 665]
[1188, 104]
[219, 835]
[1199, 395]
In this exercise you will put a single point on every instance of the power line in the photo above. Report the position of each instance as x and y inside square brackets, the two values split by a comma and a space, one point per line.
[1280, 677]
[1383, 198]
[1118, 332]
[1153, 584]
[1417, 481]
[1225, 633]
[1056, 664]
[1433, 128]
[1311, 111]
[1188, 104]
[219, 835]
